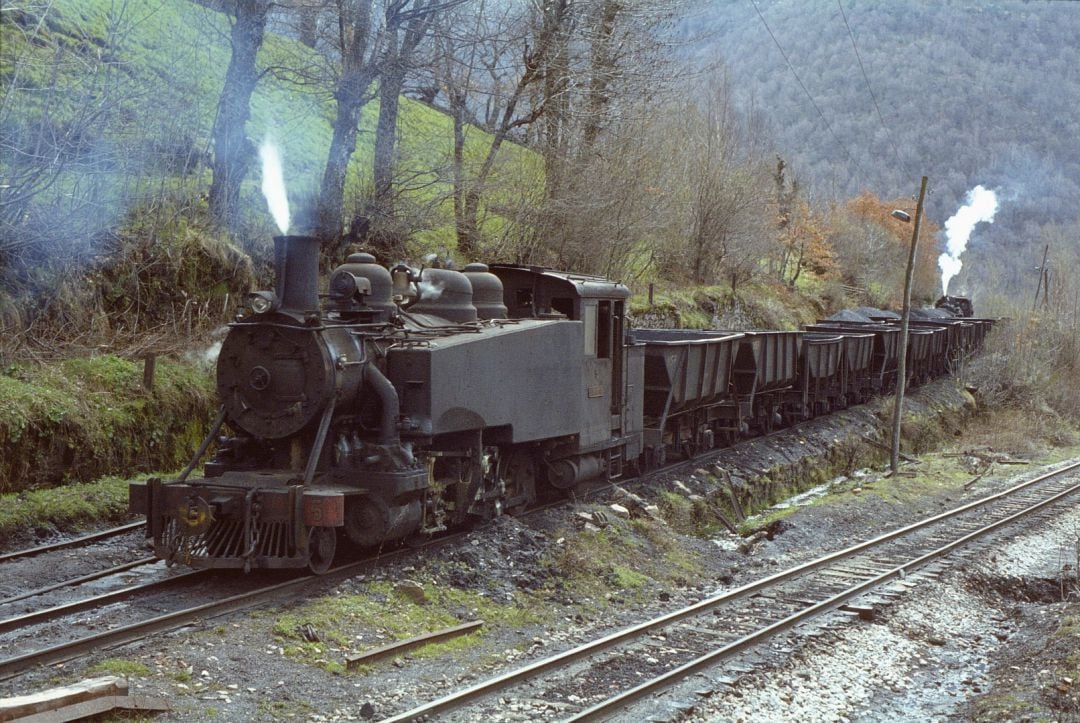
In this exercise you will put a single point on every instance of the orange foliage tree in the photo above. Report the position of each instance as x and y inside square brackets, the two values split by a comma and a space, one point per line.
[927, 279]
[806, 245]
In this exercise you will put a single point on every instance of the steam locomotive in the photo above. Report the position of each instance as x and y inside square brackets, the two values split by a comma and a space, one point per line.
[406, 402]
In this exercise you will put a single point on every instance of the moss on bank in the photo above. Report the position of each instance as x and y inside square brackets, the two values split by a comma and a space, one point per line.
[82, 419]
[70, 508]
[377, 615]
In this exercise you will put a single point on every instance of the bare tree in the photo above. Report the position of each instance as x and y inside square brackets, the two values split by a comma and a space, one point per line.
[406, 27]
[510, 70]
[608, 74]
[358, 42]
[232, 149]
[727, 226]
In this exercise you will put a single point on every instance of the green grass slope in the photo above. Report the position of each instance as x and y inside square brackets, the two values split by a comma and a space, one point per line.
[84, 418]
[156, 69]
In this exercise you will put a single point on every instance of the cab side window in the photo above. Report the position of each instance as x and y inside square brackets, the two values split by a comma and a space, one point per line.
[589, 321]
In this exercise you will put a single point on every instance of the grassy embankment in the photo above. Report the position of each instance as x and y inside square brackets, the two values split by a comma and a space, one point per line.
[76, 421]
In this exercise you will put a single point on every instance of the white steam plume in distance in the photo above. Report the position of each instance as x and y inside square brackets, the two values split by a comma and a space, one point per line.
[273, 184]
[981, 205]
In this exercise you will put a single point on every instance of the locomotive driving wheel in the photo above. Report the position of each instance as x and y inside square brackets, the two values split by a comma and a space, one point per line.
[322, 544]
[519, 472]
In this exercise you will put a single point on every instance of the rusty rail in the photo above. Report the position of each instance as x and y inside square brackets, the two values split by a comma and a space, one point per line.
[561, 660]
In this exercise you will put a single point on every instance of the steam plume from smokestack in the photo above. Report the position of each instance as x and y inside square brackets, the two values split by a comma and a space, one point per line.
[273, 185]
[981, 205]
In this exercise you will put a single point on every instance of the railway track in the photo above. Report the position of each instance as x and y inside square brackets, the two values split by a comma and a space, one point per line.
[73, 542]
[55, 612]
[122, 634]
[72, 582]
[606, 676]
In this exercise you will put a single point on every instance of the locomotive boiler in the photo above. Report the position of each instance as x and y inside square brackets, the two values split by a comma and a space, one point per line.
[398, 403]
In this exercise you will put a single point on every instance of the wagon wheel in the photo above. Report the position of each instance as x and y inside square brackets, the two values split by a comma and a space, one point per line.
[765, 419]
[322, 544]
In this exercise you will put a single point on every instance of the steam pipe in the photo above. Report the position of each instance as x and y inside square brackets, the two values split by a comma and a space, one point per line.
[388, 434]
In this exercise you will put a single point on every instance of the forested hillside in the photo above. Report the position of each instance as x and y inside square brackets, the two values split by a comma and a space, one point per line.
[579, 134]
[977, 92]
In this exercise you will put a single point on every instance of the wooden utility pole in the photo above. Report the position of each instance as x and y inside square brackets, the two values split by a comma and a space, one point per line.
[1042, 270]
[901, 372]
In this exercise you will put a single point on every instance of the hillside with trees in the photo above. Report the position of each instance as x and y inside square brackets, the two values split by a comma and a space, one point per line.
[969, 93]
[579, 134]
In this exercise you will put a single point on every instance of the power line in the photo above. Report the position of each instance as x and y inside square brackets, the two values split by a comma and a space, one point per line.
[888, 132]
[807, 92]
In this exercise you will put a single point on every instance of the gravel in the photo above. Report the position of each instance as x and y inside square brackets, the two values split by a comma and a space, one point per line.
[236, 669]
[924, 658]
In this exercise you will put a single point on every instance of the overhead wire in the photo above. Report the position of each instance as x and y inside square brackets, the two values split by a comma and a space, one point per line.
[881, 118]
[802, 85]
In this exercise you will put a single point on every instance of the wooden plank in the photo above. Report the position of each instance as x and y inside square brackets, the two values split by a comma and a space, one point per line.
[864, 612]
[401, 646]
[99, 706]
[25, 705]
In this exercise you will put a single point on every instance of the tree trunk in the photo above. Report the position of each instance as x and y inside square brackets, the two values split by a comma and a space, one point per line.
[603, 72]
[332, 191]
[393, 78]
[467, 241]
[232, 149]
[358, 72]
[395, 64]
[307, 30]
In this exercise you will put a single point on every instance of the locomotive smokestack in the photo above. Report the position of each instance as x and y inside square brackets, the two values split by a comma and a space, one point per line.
[296, 264]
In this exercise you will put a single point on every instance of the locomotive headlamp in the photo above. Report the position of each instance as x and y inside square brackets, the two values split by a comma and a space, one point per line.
[262, 301]
[344, 285]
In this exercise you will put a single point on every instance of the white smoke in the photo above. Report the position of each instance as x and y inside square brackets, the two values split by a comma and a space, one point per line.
[273, 184]
[430, 290]
[981, 205]
[205, 358]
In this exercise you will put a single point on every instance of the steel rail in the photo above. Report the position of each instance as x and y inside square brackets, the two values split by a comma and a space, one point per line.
[10, 667]
[675, 675]
[105, 598]
[455, 700]
[80, 580]
[74, 542]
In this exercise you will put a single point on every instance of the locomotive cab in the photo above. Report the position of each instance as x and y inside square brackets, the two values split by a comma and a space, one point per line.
[612, 369]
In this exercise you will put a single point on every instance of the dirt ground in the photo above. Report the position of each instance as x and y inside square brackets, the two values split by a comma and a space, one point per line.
[545, 582]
